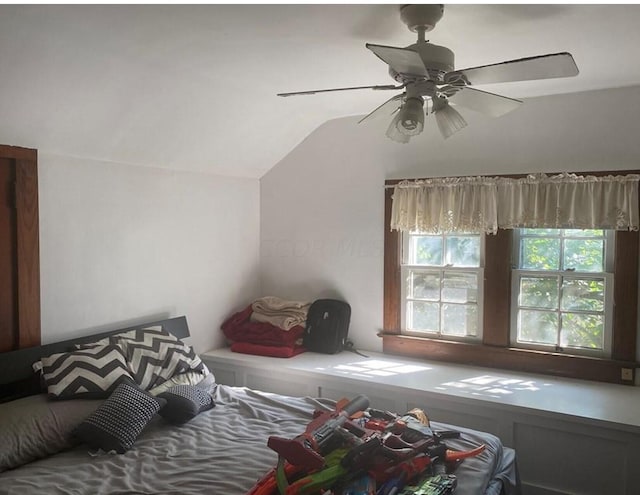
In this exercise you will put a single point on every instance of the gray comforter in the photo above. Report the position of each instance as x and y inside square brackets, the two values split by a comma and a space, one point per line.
[223, 451]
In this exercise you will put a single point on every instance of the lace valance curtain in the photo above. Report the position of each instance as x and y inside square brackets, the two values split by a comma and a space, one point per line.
[484, 204]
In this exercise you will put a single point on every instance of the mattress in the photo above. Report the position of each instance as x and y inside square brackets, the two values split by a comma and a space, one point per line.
[224, 451]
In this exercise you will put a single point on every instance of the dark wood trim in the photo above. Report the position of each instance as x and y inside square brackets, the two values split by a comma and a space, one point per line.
[497, 282]
[8, 271]
[18, 153]
[28, 239]
[625, 295]
[522, 360]
[392, 279]
[602, 173]
[24, 163]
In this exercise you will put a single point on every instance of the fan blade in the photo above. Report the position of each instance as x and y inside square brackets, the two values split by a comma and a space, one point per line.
[523, 69]
[484, 102]
[314, 91]
[385, 110]
[402, 60]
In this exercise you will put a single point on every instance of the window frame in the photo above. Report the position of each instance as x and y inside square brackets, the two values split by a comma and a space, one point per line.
[495, 350]
[606, 275]
[442, 269]
[605, 352]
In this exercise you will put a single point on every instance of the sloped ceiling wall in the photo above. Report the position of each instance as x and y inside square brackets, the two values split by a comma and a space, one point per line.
[322, 206]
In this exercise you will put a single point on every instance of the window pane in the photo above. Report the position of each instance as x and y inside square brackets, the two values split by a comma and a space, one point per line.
[562, 307]
[541, 232]
[423, 285]
[583, 233]
[582, 330]
[423, 316]
[426, 250]
[460, 287]
[539, 253]
[463, 250]
[540, 327]
[582, 294]
[460, 320]
[584, 255]
[539, 292]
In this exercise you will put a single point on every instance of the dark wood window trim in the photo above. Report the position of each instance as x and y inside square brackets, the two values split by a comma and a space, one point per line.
[26, 332]
[495, 350]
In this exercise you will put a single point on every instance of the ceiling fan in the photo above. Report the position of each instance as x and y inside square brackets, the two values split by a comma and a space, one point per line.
[432, 86]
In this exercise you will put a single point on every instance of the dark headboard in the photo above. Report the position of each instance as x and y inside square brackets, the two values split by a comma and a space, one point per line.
[16, 365]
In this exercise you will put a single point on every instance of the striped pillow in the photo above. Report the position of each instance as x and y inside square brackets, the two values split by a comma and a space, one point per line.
[113, 339]
[87, 373]
[155, 356]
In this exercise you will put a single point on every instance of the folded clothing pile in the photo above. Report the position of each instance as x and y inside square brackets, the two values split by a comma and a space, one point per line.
[269, 326]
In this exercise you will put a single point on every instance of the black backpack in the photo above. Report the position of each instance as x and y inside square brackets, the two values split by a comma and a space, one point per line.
[327, 326]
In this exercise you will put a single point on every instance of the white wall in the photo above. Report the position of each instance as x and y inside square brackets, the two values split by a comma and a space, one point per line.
[122, 244]
[322, 205]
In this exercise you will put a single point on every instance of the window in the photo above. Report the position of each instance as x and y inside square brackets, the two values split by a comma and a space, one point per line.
[442, 285]
[573, 284]
[561, 290]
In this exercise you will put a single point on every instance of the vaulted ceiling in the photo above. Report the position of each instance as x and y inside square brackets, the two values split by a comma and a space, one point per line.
[194, 87]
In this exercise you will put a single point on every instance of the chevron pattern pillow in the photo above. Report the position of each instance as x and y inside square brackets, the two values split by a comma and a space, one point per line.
[154, 356]
[87, 373]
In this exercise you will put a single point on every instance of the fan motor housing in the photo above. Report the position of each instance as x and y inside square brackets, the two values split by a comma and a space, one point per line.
[437, 59]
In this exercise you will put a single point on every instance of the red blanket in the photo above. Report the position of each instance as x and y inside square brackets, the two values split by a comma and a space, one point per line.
[239, 328]
[267, 350]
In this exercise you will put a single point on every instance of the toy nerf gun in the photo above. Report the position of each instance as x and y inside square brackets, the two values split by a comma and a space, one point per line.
[316, 482]
[441, 484]
[307, 449]
[364, 485]
[400, 475]
[276, 481]
[268, 485]
[398, 449]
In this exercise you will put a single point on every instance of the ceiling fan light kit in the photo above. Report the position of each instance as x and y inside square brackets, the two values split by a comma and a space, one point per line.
[448, 118]
[411, 116]
[427, 72]
[394, 133]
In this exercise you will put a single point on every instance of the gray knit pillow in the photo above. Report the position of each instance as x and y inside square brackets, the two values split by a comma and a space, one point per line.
[118, 422]
[185, 402]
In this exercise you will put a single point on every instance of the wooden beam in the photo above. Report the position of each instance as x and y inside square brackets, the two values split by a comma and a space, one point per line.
[497, 284]
[625, 295]
[8, 274]
[18, 153]
[28, 244]
[392, 253]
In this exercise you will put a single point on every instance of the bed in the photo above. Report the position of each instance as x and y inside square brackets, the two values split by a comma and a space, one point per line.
[222, 449]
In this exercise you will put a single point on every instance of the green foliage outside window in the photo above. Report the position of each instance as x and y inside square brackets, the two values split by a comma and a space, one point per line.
[562, 307]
